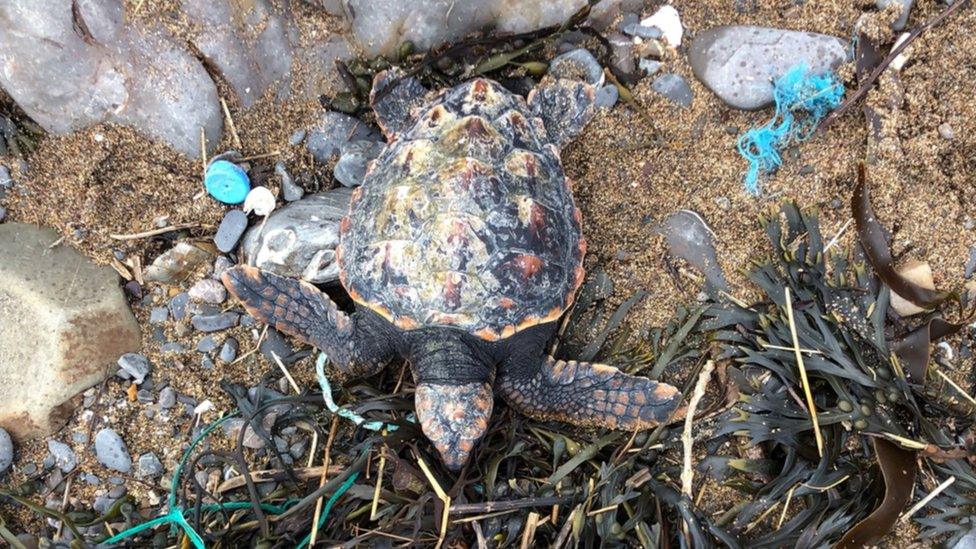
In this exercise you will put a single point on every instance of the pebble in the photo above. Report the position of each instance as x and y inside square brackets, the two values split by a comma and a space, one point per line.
[177, 305]
[79, 437]
[690, 238]
[144, 396]
[221, 264]
[276, 343]
[946, 131]
[641, 31]
[229, 350]
[918, 272]
[289, 190]
[578, 64]
[176, 263]
[622, 54]
[351, 167]
[6, 451]
[208, 290]
[227, 182]
[333, 131]
[606, 97]
[906, 8]
[207, 363]
[723, 203]
[299, 239]
[740, 63]
[629, 19]
[64, 456]
[206, 344]
[215, 323]
[667, 20]
[296, 138]
[91, 479]
[158, 315]
[135, 365]
[111, 451]
[167, 398]
[172, 348]
[260, 201]
[150, 466]
[6, 182]
[970, 264]
[968, 223]
[649, 66]
[674, 87]
[231, 228]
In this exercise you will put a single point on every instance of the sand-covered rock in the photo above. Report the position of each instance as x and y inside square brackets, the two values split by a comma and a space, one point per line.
[71, 65]
[63, 321]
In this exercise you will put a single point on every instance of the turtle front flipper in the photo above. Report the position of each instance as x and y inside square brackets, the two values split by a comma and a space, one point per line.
[581, 393]
[297, 308]
[393, 97]
[564, 105]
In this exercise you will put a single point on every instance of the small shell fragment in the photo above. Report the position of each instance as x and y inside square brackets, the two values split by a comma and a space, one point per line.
[260, 200]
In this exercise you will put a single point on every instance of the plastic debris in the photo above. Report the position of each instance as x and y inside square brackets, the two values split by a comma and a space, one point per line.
[260, 200]
[802, 101]
[227, 182]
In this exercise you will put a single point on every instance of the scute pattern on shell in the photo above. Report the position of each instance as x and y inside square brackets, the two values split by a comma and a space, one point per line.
[465, 220]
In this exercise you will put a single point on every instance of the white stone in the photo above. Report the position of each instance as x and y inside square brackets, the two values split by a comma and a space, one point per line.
[919, 273]
[260, 201]
[667, 19]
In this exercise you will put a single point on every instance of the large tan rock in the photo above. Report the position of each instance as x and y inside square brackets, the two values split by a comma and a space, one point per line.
[63, 321]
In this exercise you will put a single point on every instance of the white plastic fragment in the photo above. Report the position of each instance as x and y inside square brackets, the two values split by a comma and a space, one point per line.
[668, 20]
[260, 200]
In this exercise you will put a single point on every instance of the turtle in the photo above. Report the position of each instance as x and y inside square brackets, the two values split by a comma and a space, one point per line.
[461, 250]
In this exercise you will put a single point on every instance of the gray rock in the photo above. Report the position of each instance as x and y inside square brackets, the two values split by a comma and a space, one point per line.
[228, 353]
[150, 466]
[208, 290]
[167, 398]
[636, 29]
[206, 344]
[77, 319]
[970, 263]
[606, 97]
[221, 264]
[178, 305]
[207, 363]
[177, 263]
[740, 63]
[172, 348]
[333, 131]
[231, 228]
[353, 161]
[674, 87]
[289, 190]
[111, 451]
[904, 5]
[6, 451]
[64, 456]
[89, 65]
[578, 64]
[296, 138]
[299, 239]
[144, 396]
[649, 66]
[381, 26]
[158, 315]
[135, 365]
[622, 53]
[6, 182]
[215, 323]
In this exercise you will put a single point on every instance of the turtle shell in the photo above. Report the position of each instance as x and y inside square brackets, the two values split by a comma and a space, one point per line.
[465, 220]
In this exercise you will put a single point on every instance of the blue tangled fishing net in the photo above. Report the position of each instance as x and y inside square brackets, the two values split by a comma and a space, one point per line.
[802, 101]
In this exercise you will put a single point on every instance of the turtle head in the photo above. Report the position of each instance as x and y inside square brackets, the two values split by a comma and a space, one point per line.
[454, 417]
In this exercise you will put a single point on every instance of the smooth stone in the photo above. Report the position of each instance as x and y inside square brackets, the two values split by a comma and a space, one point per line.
[297, 137]
[740, 63]
[666, 19]
[6, 451]
[206, 344]
[299, 239]
[641, 31]
[333, 131]
[674, 87]
[260, 201]
[64, 456]
[289, 190]
[628, 20]
[207, 363]
[78, 321]
[231, 228]
[167, 398]
[918, 272]
[172, 348]
[228, 352]
[111, 451]
[177, 263]
[970, 264]
[150, 466]
[578, 64]
[215, 323]
[136, 365]
[178, 305]
[690, 238]
[649, 66]
[227, 182]
[354, 160]
[968, 541]
[221, 264]
[158, 315]
[74, 64]
[606, 97]
[208, 290]
[905, 6]
[622, 54]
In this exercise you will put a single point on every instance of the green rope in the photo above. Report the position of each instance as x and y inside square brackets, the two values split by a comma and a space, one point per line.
[328, 506]
[344, 412]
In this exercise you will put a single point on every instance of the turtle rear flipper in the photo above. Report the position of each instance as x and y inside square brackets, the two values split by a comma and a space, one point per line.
[393, 97]
[297, 308]
[581, 393]
[564, 105]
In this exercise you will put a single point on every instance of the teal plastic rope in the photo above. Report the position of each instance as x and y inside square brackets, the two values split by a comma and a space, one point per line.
[802, 101]
[344, 412]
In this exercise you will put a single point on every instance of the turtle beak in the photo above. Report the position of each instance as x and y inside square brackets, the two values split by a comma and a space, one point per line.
[454, 418]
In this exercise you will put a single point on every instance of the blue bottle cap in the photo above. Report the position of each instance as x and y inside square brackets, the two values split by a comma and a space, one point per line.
[227, 182]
